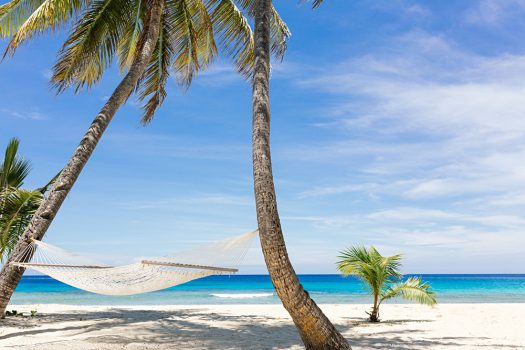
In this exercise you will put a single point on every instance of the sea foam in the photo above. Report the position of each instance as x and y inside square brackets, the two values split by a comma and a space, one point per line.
[242, 295]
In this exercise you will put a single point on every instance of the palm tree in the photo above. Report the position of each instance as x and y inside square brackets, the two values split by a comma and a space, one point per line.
[76, 67]
[382, 276]
[149, 37]
[17, 205]
[315, 329]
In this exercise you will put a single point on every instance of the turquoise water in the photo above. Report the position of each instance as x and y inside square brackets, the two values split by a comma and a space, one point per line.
[257, 289]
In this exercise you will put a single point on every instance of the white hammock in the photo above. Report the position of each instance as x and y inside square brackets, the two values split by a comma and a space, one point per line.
[147, 275]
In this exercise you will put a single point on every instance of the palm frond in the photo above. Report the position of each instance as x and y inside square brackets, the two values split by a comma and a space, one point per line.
[16, 209]
[391, 266]
[193, 38]
[49, 15]
[153, 82]
[234, 32]
[279, 31]
[362, 263]
[375, 270]
[47, 186]
[14, 13]
[13, 169]
[127, 47]
[91, 46]
[315, 3]
[207, 49]
[279, 35]
[413, 289]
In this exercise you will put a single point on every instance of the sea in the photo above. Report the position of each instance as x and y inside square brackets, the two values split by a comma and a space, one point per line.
[257, 289]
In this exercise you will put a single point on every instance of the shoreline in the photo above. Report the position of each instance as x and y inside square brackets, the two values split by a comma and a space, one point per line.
[267, 326]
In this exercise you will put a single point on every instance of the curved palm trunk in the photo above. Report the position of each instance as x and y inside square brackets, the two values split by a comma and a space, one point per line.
[10, 275]
[316, 331]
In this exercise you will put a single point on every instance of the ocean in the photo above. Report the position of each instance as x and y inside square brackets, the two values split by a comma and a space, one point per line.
[257, 289]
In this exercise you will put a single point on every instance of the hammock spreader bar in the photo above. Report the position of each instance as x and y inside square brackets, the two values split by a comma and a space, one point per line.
[189, 266]
[60, 265]
[145, 262]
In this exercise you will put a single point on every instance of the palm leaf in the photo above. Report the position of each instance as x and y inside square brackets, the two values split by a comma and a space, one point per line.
[14, 13]
[362, 263]
[193, 38]
[235, 34]
[47, 186]
[127, 47]
[279, 34]
[153, 82]
[315, 3]
[279, 31]
[413, 289]
[391, 266]
[47, 16]
[185, 43]
[13, 169]
[91, 46]
[16, 209]
[368, 265]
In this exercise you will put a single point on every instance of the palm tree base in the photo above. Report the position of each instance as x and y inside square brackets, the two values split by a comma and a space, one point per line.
[373, 317]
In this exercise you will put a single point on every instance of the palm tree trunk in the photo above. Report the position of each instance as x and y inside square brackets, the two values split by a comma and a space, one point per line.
[10, 275]
[316, 331]
[374, 315]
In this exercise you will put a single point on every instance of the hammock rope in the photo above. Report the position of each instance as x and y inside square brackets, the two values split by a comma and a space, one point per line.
[146, 275]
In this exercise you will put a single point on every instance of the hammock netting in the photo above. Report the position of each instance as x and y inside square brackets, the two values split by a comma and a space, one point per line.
[146, 275]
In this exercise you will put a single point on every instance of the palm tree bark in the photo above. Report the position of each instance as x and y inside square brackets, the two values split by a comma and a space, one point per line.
[374, 315]
[315, 329]
[10, 275]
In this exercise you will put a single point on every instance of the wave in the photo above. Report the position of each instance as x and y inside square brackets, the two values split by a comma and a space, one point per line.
[242, 296]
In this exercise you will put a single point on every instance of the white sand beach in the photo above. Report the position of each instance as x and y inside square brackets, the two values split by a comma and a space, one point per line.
[404, 326]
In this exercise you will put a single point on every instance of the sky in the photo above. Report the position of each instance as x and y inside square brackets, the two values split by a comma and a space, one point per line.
[395, 123]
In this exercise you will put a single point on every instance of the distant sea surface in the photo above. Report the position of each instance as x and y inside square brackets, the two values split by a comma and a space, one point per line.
[257, 289]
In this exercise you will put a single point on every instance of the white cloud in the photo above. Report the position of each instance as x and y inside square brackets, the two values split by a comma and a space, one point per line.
[196, 201]
[47, 74]
[27, 115]
[452, 120]
[493, 12]
[407, 8]
[430, 139]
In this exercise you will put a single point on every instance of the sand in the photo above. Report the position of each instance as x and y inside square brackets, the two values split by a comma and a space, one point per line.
[404, 326]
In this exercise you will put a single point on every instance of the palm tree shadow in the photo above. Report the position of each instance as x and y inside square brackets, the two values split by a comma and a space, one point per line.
[161, 328]
[198, 329]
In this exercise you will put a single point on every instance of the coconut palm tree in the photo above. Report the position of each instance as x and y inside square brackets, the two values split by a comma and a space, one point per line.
[149, 38]
[382, 276]
[77, 65]
[17, 205]
[315, 329]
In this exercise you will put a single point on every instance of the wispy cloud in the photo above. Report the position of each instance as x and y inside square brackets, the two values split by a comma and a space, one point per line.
[26, 115]
[407, 8]
[492, 12]
[451, 120]
[47, 74]
[197, 201]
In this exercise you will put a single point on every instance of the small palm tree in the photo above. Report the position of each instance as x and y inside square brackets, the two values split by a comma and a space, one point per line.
[17, 205]
[381, 274]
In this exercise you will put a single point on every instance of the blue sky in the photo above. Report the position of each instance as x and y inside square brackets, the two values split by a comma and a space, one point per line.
[395, 123]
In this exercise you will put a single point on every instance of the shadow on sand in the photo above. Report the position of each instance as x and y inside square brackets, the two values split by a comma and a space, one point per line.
[178, 330]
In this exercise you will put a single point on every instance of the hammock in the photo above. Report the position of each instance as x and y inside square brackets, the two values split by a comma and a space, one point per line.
[147, 275]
